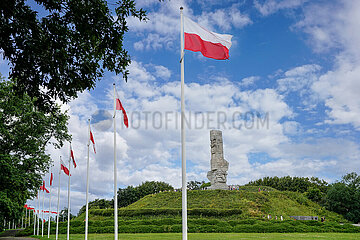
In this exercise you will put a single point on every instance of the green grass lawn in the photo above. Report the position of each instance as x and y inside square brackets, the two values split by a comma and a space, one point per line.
[214, 236]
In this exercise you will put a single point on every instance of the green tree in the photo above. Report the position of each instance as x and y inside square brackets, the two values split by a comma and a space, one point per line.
[24, 134]
[129, 195]
[294, 184]
[314, 194]
[344, 197]
[67, 48]
[63, 215]
[99, 204]
[195, 185]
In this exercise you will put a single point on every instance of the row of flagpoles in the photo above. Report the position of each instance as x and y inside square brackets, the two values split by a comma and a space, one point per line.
[194, 38]
[67, 170]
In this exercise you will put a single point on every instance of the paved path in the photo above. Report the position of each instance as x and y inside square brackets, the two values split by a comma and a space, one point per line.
[10, 234]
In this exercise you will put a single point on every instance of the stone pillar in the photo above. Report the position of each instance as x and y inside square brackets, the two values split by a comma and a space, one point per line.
[219, 166]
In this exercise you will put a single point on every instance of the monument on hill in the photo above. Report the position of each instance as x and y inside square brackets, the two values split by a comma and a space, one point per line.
[219, 166]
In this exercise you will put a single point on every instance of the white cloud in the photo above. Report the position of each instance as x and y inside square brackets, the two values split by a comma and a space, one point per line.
[331, 26]
[291, 127]
[298, 79]
[271, 6]
[249, 81]
[225, 19]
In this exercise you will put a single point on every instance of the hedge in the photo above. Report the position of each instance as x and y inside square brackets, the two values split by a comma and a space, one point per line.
[206, 212]
[202, 226]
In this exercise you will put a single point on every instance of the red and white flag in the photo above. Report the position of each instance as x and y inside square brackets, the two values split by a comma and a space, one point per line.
[51, 178]
[210, 44]
[43, 188]
[64, 168]
[119, 106]
[92, 140]
[72, 156]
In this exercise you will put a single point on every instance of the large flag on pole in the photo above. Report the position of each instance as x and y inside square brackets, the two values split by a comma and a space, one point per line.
[210, 44]
[72, 156]
[195, 38]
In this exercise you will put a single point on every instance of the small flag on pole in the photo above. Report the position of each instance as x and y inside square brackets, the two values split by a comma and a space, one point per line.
[64, 168]
[92, 140]
[210, 44]
[119, 106]
[51, 178]
[43, 188]
[72, 156]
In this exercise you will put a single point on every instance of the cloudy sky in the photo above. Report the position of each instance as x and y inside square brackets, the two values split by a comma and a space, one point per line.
[286, 100]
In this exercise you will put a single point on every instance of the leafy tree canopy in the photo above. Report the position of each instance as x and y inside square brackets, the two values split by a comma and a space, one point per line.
[24, 134]
[344, 197]
[129, 195]
[294, 184]
[98, 203]
[196, 185]
[67, 48]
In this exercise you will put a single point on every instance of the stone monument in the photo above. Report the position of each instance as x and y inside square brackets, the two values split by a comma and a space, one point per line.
[219, 166]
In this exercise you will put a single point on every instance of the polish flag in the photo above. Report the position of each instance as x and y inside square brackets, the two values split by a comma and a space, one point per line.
[119, 106]
[51, 178]
[92, 140]
[64, 168]
[72, 156]
[210, 44]
[43, 188]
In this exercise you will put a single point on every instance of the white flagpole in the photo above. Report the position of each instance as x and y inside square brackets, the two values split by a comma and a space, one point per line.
[58, 203]
[34, 221]
[30, 218]
[49, 206]
[38, 215]
[87, 186]
[115, 174]
[68, 223]
[42, 215]
[183, 158]
[23, 218]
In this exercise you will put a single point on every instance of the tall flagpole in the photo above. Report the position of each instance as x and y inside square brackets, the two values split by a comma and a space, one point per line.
[68, 223]
[42, 214]
[38, 215]
[25, 217]
[183, 157]
[87, 186]
[115, 175]
[49, 205]
[58, 203]
[34, 221]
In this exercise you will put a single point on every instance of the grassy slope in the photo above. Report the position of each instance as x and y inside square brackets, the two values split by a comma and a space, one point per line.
[253, 204]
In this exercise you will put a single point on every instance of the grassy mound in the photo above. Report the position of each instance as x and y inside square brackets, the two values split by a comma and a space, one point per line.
[245, 210]
[252, 204]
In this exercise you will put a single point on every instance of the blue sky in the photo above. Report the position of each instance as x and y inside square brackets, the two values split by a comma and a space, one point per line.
[295, 61]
